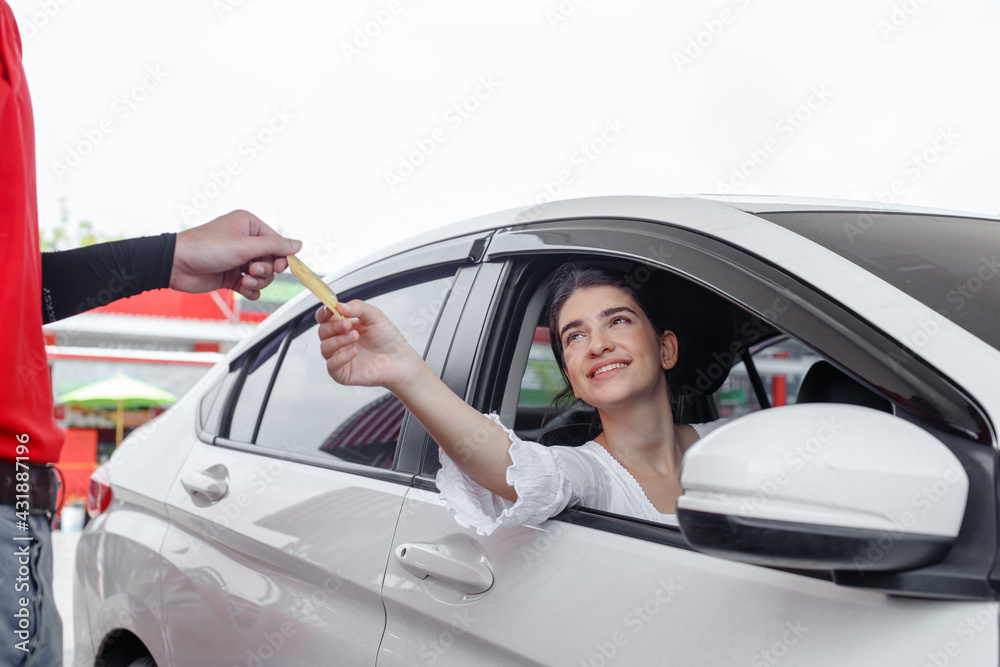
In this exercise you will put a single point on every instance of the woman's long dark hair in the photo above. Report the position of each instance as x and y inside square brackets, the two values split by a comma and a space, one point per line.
[571, 277]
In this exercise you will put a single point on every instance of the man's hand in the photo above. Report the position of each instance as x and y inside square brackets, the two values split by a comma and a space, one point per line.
[235, 251]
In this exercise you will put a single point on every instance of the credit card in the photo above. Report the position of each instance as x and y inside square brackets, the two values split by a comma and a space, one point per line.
[314, 283]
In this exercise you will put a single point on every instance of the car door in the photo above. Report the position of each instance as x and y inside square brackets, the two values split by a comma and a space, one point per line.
[591, 588]
[282, 515]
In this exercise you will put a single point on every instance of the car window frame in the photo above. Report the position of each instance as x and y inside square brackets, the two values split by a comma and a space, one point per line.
[460, 255]
[751, 283]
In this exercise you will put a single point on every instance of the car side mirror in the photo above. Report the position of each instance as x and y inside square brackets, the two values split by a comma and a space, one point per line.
[816, 486]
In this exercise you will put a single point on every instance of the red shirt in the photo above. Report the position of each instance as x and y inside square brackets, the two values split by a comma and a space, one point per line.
[25, 387]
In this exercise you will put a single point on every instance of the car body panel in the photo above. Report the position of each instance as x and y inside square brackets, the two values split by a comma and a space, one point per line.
[145, 464]
[120, 589]
[290, 548]
[571, 595]
[117, 579]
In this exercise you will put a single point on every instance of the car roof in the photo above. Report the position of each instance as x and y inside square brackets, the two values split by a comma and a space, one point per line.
[776, 204]
[648, 207]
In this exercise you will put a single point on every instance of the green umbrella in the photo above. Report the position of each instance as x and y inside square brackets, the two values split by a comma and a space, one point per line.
[120, 393]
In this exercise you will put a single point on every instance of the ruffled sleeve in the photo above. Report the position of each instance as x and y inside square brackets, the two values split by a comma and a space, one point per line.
[537, 475]
[704, 429]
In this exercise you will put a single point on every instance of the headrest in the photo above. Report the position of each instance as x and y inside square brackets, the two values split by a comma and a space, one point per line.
[825, 383]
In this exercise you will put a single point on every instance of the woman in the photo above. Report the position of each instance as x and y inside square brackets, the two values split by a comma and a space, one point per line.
[615, 358]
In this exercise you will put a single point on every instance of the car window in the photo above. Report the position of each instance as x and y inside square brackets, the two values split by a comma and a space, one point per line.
[781, 366]
[210, 406]
[255, 384]
[215, 401]
[540, 418]
[541, 383]
[309, 414]
[946, 262]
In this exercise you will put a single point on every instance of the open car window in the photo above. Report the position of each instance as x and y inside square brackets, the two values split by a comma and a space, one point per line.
[752, 366]
[768, 371]
[538, 418]
[541, 383]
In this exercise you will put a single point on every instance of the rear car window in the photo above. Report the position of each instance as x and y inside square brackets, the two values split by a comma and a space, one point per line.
[948, 263]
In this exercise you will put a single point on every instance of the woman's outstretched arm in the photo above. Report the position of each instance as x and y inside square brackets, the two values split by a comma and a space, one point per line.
[366, 349]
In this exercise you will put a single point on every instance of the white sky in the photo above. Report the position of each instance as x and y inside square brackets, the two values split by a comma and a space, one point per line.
[888, 80]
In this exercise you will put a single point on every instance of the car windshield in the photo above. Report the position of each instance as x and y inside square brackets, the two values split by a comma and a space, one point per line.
[948, 263]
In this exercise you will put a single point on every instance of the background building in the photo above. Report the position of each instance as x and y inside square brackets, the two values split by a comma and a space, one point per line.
[166, 338]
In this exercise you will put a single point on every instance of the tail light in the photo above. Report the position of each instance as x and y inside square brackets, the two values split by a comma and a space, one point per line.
[99, 495]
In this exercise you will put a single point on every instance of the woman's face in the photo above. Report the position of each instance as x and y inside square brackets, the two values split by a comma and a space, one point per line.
[611, 353]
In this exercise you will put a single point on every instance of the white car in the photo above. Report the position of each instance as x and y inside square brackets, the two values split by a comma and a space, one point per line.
[846, 515]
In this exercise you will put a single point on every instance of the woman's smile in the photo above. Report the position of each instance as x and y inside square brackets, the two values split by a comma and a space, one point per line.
[607, 368]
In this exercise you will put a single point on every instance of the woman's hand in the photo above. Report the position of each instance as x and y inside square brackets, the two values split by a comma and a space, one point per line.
[365, 348]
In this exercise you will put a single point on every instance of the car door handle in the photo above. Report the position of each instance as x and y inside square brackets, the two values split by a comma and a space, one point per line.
[207, 486]
[423, 560]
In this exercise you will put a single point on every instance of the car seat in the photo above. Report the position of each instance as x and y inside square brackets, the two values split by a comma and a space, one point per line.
[825, 383]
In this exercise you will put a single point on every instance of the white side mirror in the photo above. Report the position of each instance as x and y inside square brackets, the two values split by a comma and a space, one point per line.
[814, 486]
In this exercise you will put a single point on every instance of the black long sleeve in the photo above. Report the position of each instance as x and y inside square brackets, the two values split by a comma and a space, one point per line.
[74, 281]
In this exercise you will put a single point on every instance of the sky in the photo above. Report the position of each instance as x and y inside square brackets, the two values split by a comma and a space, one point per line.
[354, 124]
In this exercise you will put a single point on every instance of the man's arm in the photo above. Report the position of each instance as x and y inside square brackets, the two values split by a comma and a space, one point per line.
[235, 251]
[74, 281]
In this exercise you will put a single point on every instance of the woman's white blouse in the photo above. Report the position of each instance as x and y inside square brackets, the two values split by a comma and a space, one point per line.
[548, 480]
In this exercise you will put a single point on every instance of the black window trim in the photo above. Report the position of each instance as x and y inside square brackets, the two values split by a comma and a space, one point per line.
[414, 439]
[462, 360]
[387, 474]
[246, 360]
[289, 335]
